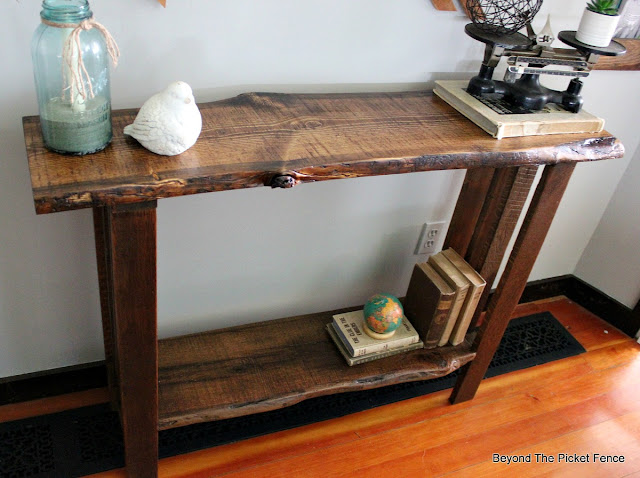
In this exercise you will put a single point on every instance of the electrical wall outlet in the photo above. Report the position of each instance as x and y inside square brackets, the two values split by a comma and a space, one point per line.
[431, 237]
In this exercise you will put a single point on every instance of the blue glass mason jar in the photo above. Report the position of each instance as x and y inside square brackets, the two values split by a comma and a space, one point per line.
[74, 96]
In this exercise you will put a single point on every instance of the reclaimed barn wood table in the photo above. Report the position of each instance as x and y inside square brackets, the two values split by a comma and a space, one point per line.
[281, 140]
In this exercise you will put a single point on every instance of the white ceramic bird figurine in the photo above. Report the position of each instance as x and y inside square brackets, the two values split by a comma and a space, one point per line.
[169, 122]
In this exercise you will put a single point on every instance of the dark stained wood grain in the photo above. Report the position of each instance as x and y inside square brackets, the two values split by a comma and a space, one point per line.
[101, 225]
[248, 140]
[468, 208]
[132, 264]
[502, 209]
[269, 365]
[629, 61]
[514, 278]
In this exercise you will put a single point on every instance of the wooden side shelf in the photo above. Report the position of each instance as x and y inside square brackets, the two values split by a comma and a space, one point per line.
[269, 365]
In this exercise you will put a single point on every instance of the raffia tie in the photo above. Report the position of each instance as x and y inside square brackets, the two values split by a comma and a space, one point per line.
[76, 65]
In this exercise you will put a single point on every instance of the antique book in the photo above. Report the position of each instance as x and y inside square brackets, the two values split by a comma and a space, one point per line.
[473, 296]
[458, 282]
[497, 119]
[371, 356]
[350, 328]
[428, 303]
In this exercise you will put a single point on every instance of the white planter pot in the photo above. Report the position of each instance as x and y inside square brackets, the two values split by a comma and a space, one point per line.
[596, 29]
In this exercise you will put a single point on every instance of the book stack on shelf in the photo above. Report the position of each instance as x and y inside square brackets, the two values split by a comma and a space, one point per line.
[442, 298]
[347, 331]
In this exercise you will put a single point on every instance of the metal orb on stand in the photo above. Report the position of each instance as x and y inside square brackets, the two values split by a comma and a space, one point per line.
[502, 16]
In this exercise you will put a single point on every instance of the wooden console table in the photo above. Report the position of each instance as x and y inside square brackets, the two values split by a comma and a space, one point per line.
[281, 140]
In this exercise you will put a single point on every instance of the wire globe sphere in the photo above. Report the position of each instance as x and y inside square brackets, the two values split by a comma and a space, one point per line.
[502, 16]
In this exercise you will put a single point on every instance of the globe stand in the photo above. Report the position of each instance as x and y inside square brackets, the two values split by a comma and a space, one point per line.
[376, 335]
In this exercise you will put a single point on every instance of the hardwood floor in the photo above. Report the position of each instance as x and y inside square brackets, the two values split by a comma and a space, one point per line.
[580, 406]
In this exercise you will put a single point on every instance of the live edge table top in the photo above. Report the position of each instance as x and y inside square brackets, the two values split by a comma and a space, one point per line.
[248, 140]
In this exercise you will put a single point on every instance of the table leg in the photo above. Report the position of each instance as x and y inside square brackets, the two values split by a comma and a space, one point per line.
[468, 208]
[514, 279]
[105, 280]
[486, 214]
[128, 285]
[502, 209]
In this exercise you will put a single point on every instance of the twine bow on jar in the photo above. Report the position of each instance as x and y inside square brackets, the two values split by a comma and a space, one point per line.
[76, 75]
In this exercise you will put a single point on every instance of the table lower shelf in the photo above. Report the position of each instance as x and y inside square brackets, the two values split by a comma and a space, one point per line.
[269, 365]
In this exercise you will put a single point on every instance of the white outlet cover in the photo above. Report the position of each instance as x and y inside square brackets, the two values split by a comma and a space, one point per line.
[428, 243]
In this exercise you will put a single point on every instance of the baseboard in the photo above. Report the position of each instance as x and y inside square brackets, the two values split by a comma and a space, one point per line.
[53, 382]
[93, 375]
[547, 288]
[595, 301]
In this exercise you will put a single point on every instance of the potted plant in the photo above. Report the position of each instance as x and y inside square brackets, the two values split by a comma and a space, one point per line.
[598, 23]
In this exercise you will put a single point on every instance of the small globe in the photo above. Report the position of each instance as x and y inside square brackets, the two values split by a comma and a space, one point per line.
[383, 314]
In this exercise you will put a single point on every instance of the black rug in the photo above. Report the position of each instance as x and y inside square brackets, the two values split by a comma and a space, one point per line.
[89, 440]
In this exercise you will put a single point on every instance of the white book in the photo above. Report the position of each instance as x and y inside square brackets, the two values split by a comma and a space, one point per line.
[369, 357]
[350, 328]
[550, 120]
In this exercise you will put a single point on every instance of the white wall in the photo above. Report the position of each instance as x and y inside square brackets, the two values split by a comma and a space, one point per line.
[611, 261]
[241, 256]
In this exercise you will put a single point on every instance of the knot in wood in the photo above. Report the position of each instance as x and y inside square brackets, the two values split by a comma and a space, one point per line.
[283, 181]
[312, 124]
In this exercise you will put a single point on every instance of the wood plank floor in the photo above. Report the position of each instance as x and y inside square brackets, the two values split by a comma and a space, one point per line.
[571, 408]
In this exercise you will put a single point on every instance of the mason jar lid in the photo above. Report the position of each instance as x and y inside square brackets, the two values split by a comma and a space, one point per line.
[65, 11]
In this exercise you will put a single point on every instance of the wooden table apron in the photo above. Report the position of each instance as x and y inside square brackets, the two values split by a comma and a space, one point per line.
[490, 202]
